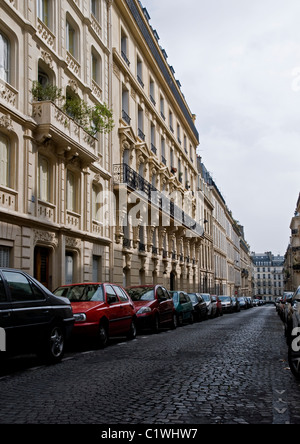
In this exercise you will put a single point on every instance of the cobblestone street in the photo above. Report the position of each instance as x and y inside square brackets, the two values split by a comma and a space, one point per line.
[231, 369]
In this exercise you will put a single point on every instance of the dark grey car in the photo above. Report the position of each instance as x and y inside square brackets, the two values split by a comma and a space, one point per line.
[292, 327]
[31, 317]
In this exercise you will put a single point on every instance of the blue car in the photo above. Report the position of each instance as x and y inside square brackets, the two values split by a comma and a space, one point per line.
[183, 306]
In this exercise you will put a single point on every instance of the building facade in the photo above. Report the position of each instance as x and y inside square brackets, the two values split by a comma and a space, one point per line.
[292, 256]
[157, 237]
[268, 276]
[134, 205]
[52, 169]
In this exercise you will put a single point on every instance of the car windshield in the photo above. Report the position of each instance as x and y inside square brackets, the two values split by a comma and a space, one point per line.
[225, 298]
[193, 297]
[81, 293]
[141, 293]
[206, 297]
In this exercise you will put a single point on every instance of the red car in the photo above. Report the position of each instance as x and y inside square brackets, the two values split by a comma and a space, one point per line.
[100, 310]
[154, 306]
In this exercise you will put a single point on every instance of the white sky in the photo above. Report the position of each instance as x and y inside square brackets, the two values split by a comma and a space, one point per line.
[238, 63]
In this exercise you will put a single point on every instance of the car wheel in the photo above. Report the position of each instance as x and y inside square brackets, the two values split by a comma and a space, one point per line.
[103, 336]
[174, 321]
[52, 349]
[180, 320]
[156, 324]
[132, 331]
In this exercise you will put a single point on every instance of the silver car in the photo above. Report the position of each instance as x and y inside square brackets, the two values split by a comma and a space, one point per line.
[211, 304]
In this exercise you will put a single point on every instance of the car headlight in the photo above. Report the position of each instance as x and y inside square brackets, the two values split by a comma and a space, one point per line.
[144, 310]
[80, 317]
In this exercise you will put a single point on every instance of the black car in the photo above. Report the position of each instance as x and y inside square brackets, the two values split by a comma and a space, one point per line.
[31, 317]
[199, 304]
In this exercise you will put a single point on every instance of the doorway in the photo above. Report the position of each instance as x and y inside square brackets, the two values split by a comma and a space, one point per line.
[41, 265]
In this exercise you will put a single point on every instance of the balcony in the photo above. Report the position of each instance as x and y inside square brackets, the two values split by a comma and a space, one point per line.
[123, 174]
[55, 124]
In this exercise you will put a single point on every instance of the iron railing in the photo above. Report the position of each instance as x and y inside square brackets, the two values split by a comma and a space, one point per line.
[124, 174]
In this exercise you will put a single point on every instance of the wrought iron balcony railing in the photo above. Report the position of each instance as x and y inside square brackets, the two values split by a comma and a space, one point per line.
[124, 174]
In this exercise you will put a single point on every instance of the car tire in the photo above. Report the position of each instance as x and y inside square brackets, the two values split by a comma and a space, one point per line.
[174, 321]
[156, 325]
[180, 320]
[53, 347]
[103, 335]
[132, 331]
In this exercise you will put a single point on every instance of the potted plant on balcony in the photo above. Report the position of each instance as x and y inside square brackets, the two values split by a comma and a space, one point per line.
[96, 119]
[42, 93]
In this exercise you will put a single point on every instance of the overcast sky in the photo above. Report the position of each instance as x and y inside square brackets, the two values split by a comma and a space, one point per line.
[238, 63]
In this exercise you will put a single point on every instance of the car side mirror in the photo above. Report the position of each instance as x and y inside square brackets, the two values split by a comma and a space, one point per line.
[111, 299]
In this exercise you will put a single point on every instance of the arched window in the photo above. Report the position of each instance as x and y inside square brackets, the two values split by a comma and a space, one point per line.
[71, 192]
[4, 58]
[96, 202]
[44, 179]
[4, 161]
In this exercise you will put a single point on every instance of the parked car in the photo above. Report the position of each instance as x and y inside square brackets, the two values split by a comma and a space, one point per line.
[242, 302]
[226, 304]
[100, 310]
[219, 307]
[200, 309]
[183, 306]
[293, 333]
[235, 304]
[154, 306]
[211, 304]
[249, 302]
[33, 318]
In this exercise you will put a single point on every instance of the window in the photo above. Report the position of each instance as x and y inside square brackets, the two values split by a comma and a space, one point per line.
[163, 151]
[122, 296]
[43, 11]
[96, 63]
[71, 192]
[141, 123]
[152, 91]
[20, 288]
[124, 47]
[162, 107]
[95, 9]
[96, 202]
[71, 40]
[44, 179]
[111, 295]
[139, 71]
[4, 256]
[4, 58]
[4, 161]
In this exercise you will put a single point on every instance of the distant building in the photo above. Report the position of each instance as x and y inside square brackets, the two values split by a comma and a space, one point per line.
[268, 275]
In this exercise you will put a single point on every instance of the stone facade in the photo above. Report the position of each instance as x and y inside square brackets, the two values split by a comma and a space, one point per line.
[131, 206]
[292, 256]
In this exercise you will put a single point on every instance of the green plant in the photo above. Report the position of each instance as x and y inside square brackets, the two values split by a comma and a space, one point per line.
[96, 119]
[46, 92]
